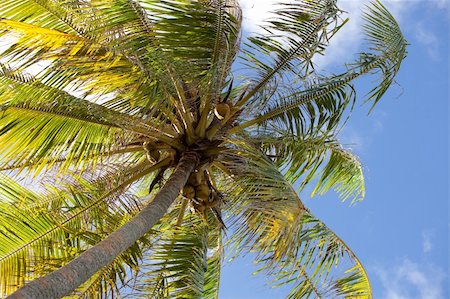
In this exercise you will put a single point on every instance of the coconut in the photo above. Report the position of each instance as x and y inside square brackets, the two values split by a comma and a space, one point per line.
[202, 192]
[189, 191]
[153, 154]
[222, 110]
[198, 207]
[196, 178]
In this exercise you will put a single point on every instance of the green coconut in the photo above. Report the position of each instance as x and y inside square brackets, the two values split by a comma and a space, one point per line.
[189, 191]
[196, 178]
[202, 192]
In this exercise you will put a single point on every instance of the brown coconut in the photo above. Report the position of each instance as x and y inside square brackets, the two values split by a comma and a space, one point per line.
[189, 191]
[222, 110]
[202, 192]
[196, 178]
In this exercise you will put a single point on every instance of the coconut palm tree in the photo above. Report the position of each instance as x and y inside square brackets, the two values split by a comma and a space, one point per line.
[135, 150]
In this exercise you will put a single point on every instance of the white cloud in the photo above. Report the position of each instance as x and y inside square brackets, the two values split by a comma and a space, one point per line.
[428, 39]
[409, 280]
[255, 12]
[442, 4]
[360, 139]
[427, 244]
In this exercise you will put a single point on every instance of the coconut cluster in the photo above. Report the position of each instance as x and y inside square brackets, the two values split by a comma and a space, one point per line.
[201, 193]
[199, 189]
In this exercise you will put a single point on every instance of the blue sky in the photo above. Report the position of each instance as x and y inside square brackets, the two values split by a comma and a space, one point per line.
[400, 231]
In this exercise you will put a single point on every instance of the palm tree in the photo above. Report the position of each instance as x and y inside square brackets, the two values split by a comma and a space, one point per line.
[132, 155]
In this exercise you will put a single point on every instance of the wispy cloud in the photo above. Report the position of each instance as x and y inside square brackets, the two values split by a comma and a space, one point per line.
[443, 4]
[427, 244]
[427, 38]
[411, 280]
[360, 139]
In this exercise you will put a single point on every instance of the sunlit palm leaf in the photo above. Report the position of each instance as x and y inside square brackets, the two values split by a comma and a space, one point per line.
[44, 124]
[184, 264]
[324, 267]
[316, 157]
[112, 94]
[290, 244]
[386, 40]
[306, 111]
[387, 48]
[57, 224]
[297, 32]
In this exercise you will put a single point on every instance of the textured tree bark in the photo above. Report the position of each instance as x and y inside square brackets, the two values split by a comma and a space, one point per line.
[65, 280]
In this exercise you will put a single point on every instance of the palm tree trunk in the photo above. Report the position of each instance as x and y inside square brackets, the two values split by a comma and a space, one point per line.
[65, 280]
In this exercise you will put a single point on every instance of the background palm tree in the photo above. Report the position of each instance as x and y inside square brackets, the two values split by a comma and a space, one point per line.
[104, 101]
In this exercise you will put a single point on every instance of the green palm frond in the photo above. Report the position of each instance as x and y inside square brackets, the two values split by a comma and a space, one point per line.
[178, 264]
[312, 109]
[59, 223]
[297, 32]
[44, 124]
[194, 31]
[103, 102]
[388, 44]
[290, 244]
[387, 50]
[316, 157]
[212, 275]
[25, 135]
[62, 103]
[43, 13]
[325, 266]
[66, 61]
[17, 228]
[128, 154]
[255, 191]
[344, 173]
[32, 44]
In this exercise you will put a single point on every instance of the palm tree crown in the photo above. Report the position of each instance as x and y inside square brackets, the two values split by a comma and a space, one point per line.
[105, 102]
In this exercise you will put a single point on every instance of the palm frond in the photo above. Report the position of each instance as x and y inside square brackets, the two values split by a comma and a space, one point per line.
[191, 30]
[307, 158]
[388, 44]
[18, 227]
[128, 154]
[289, 243]
[324, 267]
[387, 50]
[67, 61]
[212, 275]
[228, 22]
[57, 224]
[321, 107]
[297, 32]
[40, 124]
[178, 264]
[255, 191]
[43, 13]
[29, 90]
